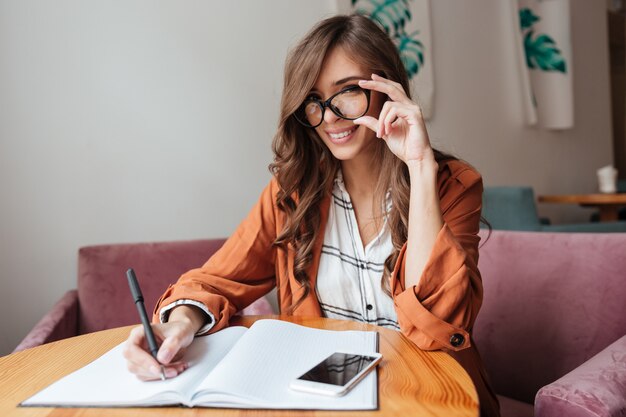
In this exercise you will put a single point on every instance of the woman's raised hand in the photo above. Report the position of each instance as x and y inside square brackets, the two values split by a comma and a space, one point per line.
[400, 122]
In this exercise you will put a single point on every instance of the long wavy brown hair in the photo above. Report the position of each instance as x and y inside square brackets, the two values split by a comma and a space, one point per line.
[304, 166]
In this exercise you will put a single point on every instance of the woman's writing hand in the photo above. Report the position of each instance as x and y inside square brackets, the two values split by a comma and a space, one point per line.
[173, 337]
[400, 122]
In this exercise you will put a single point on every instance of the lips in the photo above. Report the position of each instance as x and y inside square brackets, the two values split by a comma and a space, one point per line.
[341, 136]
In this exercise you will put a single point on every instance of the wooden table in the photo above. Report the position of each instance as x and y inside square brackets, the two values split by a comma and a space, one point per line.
[608, 204]
[411, 382]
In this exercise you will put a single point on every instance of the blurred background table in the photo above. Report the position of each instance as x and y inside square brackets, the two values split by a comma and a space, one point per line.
[411, 381]
[607, 204]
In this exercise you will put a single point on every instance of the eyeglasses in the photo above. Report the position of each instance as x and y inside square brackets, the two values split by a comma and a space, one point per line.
[350, 104]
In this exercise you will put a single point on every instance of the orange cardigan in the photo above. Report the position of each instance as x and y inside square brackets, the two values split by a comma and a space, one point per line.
[438, 313]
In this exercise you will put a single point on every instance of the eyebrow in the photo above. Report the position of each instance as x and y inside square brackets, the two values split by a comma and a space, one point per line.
[345, 80]
[350, 78]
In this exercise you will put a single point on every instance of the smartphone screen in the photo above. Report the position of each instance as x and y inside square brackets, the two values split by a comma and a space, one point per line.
[338, 369]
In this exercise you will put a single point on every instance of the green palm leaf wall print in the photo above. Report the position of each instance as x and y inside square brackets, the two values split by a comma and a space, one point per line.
[411, 52]
[541, 52]
[392, 16]
[527, 18]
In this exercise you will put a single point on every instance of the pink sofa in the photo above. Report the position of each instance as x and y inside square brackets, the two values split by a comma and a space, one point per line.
[102, 299]
[551, 302]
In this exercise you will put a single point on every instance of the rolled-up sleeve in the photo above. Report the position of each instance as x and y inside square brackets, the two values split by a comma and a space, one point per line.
[440, 311]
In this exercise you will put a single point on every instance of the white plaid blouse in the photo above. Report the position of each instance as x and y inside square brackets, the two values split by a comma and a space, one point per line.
[349, 275]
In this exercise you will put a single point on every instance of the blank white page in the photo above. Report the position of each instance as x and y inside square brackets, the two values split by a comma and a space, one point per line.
[107, 381]
[259, 368]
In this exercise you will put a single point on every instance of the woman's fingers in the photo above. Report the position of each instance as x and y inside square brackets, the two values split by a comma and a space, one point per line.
[393, 114]
[172, 349]
[367, 121]
[154, 373]
[140, 361]
[391, 117]
[381, 118]
[147, 368]
[392, 89]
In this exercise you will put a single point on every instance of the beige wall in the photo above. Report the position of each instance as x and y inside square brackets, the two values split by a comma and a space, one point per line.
[135, 121]
[125, 121]
[479, 113]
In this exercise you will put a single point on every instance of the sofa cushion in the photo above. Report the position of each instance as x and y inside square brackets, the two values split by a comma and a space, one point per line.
[551, 301]
[597, 388]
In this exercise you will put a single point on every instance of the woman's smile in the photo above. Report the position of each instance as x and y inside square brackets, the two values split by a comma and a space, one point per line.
[341, 136]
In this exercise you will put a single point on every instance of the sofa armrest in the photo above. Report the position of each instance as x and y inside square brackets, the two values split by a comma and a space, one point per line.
[597, 388]
[59, 323]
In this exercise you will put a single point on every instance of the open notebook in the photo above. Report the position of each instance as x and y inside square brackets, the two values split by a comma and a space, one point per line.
[233, 368]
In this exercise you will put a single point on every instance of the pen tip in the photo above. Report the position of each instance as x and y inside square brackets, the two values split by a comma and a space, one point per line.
[162, 373]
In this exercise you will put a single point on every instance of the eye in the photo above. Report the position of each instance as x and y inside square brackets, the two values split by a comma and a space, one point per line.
[313, 96]
[350, 88]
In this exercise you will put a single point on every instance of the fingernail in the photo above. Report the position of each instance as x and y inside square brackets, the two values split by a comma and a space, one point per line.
[170, 373]
[362, 81]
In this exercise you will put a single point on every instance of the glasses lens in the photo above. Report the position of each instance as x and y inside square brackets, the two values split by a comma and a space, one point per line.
[310, 113]
[350, 104]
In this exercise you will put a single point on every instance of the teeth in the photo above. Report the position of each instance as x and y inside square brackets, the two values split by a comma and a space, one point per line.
[340, 135]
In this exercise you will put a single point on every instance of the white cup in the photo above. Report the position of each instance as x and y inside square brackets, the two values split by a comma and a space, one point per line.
[607, 179]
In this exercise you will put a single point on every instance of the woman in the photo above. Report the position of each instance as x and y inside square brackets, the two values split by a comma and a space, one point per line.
[362, 218]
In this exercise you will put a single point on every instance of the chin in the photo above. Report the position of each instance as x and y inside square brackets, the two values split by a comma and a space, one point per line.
[343, 154]
[356, 147]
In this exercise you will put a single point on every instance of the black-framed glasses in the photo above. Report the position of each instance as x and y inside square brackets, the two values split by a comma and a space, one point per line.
[349, 103]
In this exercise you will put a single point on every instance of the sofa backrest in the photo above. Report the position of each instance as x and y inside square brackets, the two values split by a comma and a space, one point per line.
[551, 301]
[103, 293]
[510, 208]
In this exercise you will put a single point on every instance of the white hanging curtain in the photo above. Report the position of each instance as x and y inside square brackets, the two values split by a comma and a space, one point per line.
[408, 24]
[544, 51]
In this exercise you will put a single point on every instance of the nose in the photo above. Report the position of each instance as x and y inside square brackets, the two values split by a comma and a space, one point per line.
[329, 116]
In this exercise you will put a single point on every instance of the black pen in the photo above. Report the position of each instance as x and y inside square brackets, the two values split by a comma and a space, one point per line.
[138, 298]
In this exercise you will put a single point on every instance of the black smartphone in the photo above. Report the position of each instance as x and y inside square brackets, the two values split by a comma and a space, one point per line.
[336, 374]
